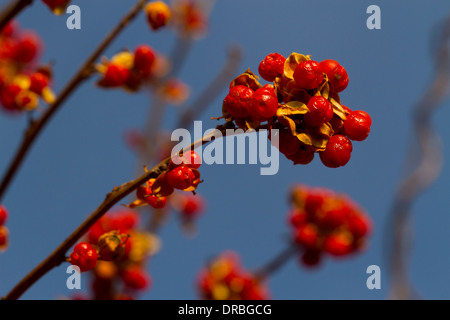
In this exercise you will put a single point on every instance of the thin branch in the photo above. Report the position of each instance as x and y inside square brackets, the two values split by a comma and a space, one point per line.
[213, 90]
[429, 152]
[277, 262]
[12, 10]
[118, 193]
[82, 74]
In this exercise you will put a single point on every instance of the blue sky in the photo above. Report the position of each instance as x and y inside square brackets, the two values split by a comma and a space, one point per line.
[81, 155]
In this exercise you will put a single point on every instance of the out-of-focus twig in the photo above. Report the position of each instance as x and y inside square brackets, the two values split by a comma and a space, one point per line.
[277, 262]
[36, 127]
[12, 10]
[427, 147]
[213, 89]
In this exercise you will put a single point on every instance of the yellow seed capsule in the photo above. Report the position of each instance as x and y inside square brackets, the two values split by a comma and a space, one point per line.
[158, 14]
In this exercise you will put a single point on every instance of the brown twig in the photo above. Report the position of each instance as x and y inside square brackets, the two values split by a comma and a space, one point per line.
[277, 262]
[12, 10]
[35, 127]
[213, 89]
[118, 193]
[429, 153]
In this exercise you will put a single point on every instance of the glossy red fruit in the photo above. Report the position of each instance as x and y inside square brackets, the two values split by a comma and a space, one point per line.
[192, 159]
[307, 235]
[287, 143]
[3, 215]
[38, 81]
[181, 177]
[338, 243]
[271, 67]
[8, 95]
[26, 49]
[337, 75]
[115, 76]
[308, 75]
[337, 152]
[357, 125]
[320, 111]
[297, 217]
[84, 256]
[359, 225]
[237, 102]
[144, 57]
[302, 156]
[136, 278]
[155, 201]
[264, 104]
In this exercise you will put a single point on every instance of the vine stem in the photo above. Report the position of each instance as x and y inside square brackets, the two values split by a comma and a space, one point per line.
[59, 254]
[12, 10]
[35, 127]
[277, 262]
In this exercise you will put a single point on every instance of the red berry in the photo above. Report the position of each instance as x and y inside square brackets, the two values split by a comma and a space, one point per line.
[337, 75]
[359, 225]
[272, 66]
[158, 14]
[115, 75]
[308, 75]
[39, 81]
[144, 57]
[237, 102]
[143, 191]
[135, 278]
[332, 217]
[302, 156]
[181, 177]
[161, 187]
[84, 256]
[264, 104]
[3, 215]
[8, 96]
[338, 244]
[8, 30]
[192, 206]
[124, 220]
[4, 236]
[287, 143]
[311, 257]
[357, 125]
[155, 201]
[297, 217]
[337, 152]
[307, 235]
[26, 49]
[52, 4]
[192, 159]
[320, 110]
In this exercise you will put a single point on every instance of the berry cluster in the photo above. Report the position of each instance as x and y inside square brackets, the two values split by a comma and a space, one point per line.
[326, 222]
[225, 279]
[128, 70]
[57, 6]
[3, 229]
[117, 252]
[303, 104]
[132, 70]
[22, 84]
[181, 174]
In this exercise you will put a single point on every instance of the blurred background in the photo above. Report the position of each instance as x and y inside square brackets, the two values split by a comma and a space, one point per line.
[82, 154]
